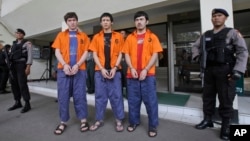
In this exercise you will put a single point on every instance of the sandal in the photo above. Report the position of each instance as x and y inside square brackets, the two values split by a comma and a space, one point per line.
[152, 132]
[119, 126]
[60, 129]
[84, 126]
[96, 126]
[132, 127]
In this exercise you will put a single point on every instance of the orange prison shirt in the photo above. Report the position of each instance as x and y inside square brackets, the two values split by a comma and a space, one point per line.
[97, 45]
[151, 45]
[62, 43]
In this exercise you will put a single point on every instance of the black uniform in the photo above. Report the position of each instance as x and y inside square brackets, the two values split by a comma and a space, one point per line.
[20, 57]
[90, 63]
[226, 59]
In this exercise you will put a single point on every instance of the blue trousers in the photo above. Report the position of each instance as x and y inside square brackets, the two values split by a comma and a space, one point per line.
[142, 91]
[74, 86]
[108, 89]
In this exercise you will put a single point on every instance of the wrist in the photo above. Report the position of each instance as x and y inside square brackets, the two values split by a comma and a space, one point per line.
[116, 67]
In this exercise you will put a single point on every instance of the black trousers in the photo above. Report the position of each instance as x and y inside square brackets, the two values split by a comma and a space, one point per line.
[90, 76]
[4, 75]
[19, 84]
[216, 82]
[124, 72]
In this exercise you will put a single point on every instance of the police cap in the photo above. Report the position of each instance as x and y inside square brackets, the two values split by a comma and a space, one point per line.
[220, 10]
[19, 30]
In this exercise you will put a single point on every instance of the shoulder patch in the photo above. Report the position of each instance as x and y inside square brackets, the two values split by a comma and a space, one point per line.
[238, 32]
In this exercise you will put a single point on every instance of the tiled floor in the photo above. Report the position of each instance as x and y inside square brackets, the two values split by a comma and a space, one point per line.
[191, 113]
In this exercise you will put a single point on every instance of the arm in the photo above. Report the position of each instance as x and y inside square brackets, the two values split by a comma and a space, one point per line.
[104, 72]
[29, 61]
[113, 70]
[76, 67]
[66, 67]
[132, 69]
[196, 50]
[148, 66]
[241, 51]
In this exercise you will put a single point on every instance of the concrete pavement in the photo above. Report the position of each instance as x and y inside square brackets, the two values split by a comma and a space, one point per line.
[39, 124]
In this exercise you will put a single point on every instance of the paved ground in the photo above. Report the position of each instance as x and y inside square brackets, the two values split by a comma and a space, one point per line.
[40, 122]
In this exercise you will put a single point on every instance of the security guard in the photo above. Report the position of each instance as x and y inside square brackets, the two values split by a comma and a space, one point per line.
[226, 58]
[21, 60]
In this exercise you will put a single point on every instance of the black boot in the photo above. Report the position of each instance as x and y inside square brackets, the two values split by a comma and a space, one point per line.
[17, 104]
[206, 122]
[26, 107]
[225, 129]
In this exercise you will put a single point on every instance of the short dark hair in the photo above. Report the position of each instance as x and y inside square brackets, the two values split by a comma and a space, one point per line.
[70, 15]
[106, 15]
[7, 46]
[141, 13]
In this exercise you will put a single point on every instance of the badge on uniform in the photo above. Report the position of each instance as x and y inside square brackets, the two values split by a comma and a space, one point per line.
[208, 39]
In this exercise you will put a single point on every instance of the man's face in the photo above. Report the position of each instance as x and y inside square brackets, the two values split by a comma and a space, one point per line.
[124, 35]
[218, 19]
[19, 35]
[72, 23]
[140, 23]
[106, 23]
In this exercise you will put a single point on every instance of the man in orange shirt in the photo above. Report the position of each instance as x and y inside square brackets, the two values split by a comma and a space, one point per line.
[141, 50]
[106, 46]
[71, 49]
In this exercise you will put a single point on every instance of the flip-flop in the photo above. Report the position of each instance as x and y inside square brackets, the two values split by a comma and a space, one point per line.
[119, 126]
[132, 127]
[61, 127]
[152, 132]
[96, 126]
[84, 126]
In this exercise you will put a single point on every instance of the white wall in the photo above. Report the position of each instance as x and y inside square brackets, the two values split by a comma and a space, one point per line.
[5, 36]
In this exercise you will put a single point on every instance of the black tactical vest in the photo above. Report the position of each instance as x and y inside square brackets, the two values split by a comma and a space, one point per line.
[216, 47]
[17, 51]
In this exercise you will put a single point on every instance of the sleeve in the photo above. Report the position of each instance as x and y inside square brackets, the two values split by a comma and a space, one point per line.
[29, 48]
[87, 43]
[125, 47]
[57, 42]
[241, 51]
[93, 44]
[196, 49]
[157, 45]
[121, 43]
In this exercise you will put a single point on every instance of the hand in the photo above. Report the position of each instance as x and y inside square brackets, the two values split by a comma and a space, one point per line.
[105, 73]
[112, 73]
[134, 73]
[27, 71]
[67, 69]
[236, 75]
[143, 74]
[75, 69]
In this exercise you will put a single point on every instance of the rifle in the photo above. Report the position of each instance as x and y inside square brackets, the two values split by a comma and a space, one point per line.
[203, 59]
[8, 63]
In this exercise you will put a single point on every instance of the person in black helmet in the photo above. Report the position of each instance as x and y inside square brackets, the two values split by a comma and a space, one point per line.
[21, 60]
[225, 62]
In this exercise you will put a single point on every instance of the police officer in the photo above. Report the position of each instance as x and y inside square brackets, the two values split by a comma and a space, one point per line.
[4, 70]
[21, 61]
[226, 58]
